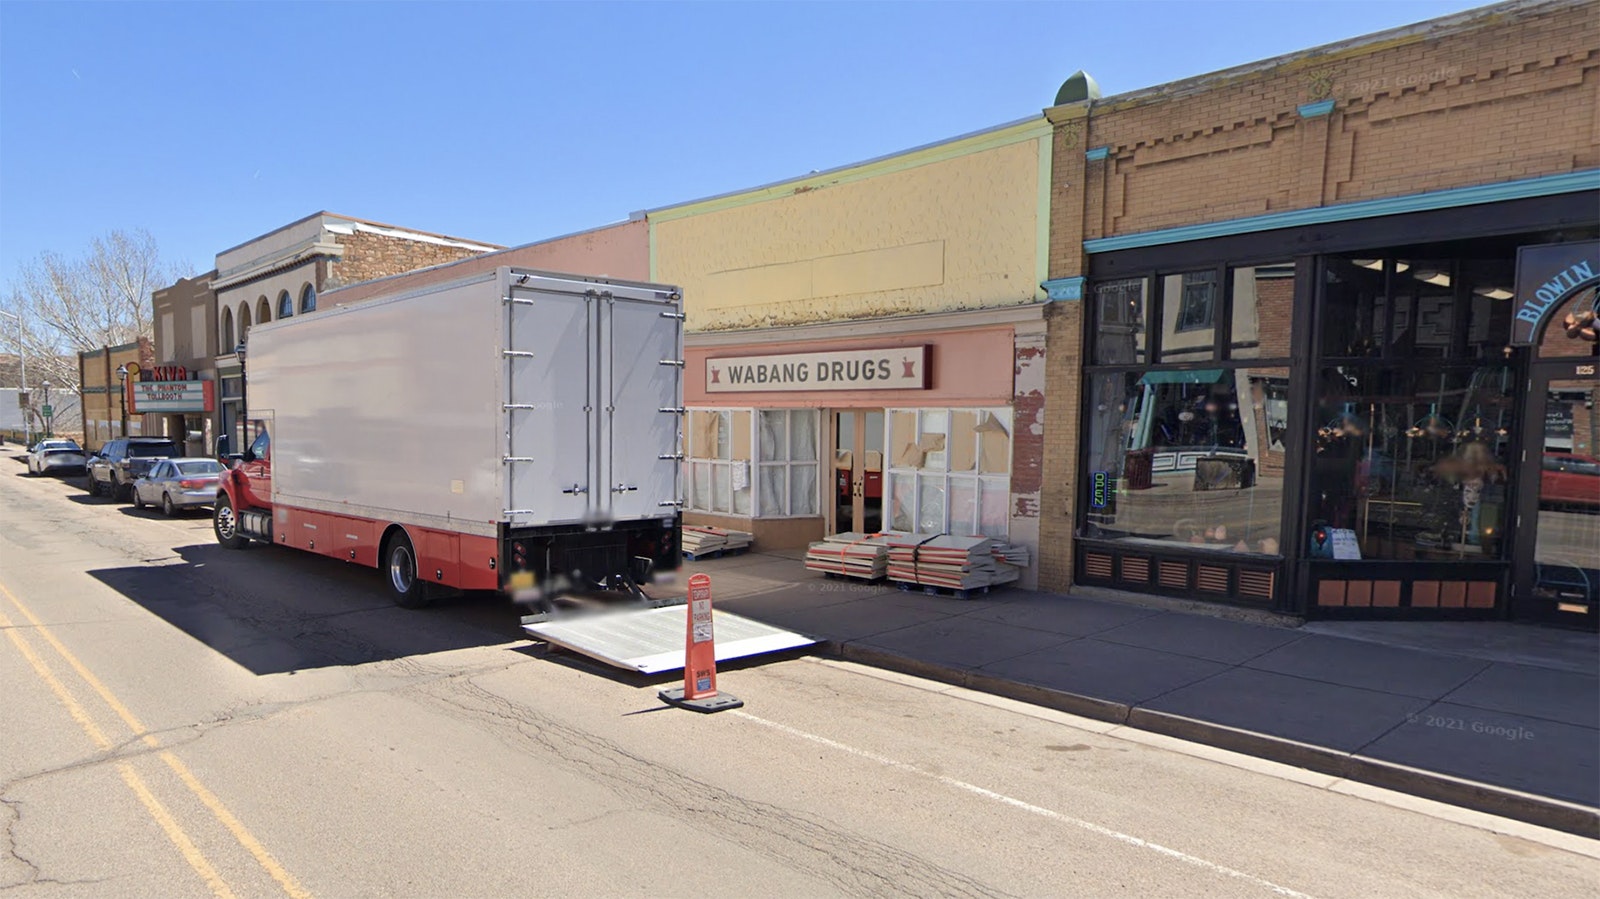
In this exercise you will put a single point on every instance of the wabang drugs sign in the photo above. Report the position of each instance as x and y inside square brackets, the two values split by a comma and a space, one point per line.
[894, 368]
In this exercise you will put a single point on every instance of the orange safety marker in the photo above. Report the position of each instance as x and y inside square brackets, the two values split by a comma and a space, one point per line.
[699, 691]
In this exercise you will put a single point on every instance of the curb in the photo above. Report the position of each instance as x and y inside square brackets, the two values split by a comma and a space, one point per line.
[1503, 802]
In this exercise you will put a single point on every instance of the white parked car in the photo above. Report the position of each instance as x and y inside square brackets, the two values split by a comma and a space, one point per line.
[55, 457]
[175, 484]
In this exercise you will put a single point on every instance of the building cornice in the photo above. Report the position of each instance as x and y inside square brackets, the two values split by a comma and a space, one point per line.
[1021, 314]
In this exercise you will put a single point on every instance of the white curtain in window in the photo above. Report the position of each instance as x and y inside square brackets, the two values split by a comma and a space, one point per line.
[803, 435]
[774, 490]
[803, 489]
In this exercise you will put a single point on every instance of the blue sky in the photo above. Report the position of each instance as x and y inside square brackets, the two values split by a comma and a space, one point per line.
[211, 123]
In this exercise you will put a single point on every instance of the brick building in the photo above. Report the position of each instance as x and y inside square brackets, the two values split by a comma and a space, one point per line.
[104, 407]
[1310, 344]
[200, 321]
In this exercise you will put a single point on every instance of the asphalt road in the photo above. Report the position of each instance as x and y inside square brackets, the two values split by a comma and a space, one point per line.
[177, 720]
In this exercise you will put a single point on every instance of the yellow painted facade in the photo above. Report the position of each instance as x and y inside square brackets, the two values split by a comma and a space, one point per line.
[960, 225]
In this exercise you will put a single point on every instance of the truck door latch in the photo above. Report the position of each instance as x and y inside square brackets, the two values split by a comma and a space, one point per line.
[624, 488]
[576, 489]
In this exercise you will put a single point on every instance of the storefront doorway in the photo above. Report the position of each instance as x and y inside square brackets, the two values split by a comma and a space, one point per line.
[857, 471]
[1556, 568]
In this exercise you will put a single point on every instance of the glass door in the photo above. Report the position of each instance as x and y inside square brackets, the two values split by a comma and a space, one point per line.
[858, 470]
[1557, 565]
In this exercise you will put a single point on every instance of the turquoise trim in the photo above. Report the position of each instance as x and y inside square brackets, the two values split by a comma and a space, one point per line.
[1064, 289]
[1200, 376]
[1097, 154]
[1546, 186]
[1312, 110]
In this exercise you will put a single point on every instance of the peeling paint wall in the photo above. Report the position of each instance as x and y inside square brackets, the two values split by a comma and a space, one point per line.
[951, 234]
[1027, 445]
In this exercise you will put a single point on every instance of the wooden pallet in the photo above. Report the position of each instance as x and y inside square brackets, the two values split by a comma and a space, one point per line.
[717, 553]
[931, 590]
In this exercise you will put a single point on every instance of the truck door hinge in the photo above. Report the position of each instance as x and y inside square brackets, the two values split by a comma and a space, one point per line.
[574, 489]
[677, 315]
[624, 488]
[518, 354]
[676, 457]
[677, 362]
[507, 460]
[675, 503]
[510, 406]
[674, 410]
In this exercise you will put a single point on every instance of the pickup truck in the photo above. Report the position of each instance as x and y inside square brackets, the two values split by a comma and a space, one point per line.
[114, 468]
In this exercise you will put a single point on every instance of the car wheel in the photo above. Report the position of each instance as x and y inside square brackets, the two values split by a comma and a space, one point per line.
[94, 486]
[138, 500]
[400, 564]
[120, 490]
[167, 506]
[226, 526]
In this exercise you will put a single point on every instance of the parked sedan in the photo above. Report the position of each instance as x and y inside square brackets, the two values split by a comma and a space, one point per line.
[55, 456]
[177, 484]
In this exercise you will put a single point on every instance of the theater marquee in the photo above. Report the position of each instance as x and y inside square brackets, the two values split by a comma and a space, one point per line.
[894, 368]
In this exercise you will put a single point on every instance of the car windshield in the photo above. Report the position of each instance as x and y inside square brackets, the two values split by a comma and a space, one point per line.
[59, 445]
[198, 466]
[151, 450]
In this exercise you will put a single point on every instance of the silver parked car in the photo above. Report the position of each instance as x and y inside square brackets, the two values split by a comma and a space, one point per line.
[177, 484]
[55, 456]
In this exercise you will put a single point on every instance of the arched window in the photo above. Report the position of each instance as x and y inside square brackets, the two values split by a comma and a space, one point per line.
[285, 305]
[308, 299]
[227, 330]
[244, 320]
[263, 311]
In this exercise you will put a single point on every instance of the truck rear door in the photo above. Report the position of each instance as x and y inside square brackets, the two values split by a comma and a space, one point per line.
[641, 377]
[551, 388]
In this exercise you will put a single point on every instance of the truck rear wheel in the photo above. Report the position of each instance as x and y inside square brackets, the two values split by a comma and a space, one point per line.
[226, 525]
[400, 566]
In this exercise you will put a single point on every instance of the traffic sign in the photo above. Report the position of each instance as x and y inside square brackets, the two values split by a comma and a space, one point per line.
[47, 411]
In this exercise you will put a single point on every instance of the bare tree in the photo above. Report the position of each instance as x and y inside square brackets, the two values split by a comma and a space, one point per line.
[72, 305]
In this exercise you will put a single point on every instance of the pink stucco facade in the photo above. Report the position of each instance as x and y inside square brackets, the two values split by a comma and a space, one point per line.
[620, 251]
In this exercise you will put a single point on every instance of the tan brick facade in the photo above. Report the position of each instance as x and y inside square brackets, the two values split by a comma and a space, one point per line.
[1495, 95]
[368, 256]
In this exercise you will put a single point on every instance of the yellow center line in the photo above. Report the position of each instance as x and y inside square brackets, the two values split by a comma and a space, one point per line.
[226, 818]
[169, 825]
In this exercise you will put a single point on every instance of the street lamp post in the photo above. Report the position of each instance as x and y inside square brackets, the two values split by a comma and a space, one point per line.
[49, 413]
[122, 395]
[244, 399]
[22, 354]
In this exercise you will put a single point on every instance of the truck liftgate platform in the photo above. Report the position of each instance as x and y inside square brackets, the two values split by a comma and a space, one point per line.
[650, 641]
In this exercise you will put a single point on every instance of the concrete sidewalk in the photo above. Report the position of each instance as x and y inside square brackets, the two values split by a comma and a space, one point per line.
[1499, 717]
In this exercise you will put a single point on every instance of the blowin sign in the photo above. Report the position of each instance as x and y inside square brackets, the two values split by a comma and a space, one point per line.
[699, 691]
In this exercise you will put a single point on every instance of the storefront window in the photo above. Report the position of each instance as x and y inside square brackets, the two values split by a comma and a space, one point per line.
[1415, 463]
[1176, 457]
[1416, 308]
[1120, 324]
[1189, 305]
[950, 471]
[1354, 308]
[788, 463]
[717, 469]
[1263, 311]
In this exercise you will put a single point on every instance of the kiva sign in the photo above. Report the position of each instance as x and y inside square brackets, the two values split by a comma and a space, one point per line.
[895, 368]
[1547, 277]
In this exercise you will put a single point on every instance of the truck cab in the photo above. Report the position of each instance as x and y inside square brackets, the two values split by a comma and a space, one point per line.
[244, 495]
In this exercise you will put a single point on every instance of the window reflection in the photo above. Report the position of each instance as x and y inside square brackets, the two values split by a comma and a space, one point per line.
[1415, 463]
[1189, 303]
[1176, 457]
[1263, 311]
[1120, 322]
